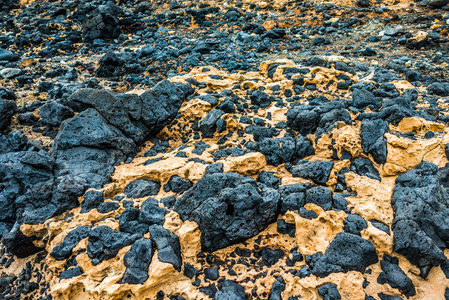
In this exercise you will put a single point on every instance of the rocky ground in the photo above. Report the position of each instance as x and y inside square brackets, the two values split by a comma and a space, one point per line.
[224, 150]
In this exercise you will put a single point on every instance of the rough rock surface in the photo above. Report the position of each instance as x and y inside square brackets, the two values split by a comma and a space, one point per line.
[178, 150]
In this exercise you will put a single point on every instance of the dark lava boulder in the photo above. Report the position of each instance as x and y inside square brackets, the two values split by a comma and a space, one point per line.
[150, 213]
[329, 291]
[347, 252]
[161, 104]
[104, 243]
[373, 140]
[304, 147]
[228, 208]
[321, 196]
[6, 55]
[167, 244]
[277, 150]
[92, 199]
[362, 98]
[70, 273]
[439, 88]
[137, 260]
[354, 223]
[111, 65]
[90, 129]
[364, 167]
[64, 250]
[277, 289]
[101, 25]
[106, 131]
[317, 171]
[142, 188]
[117, 112]
[230, 290]
[208, 125]
[8, 108]
[178, 185]
[421, 223]
[303, 119]
[129, 222]
[26, 180]
[395, 277]
[271, 257]
[53, 113]
[260, 98]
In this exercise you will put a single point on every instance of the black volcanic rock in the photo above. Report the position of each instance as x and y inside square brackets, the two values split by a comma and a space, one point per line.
[318, 171]
[53, 113]
[137, 260]
[8, 108]
[228, 208]
[373, 140]
[142, 188]
[277, 150]
[329, 291]
[421, 214]
[167, 244]
[394, 276]
[178, 184]
[64, 250]
[100, 25]
[347, 252]
[104, 243]
[230, 290]
[105, 132]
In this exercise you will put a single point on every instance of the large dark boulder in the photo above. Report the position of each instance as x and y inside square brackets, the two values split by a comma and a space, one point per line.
[317, 171]
[101, 25]
[6, 55]
[129, 222]
[137, 260]
[150, 212]
[394, 276]
[373, 140]
[92, 199]
[26, 181]
[142, 188]
[277, 289]
[167, 244]
[178, 185]
[321, 196]
[230, 290]
[90, 129]
[304, 147]
[228, 208]
[53, 113]
[329, 291]
[364, 167]
[208, 125]
[111, 65]
[439, 88]
[35, 186]
[421, 223]
[347, 252]
[161, 104]
[8, 108]
[303, 119]
[104, 243]
[260, 98]
[278, 150]
[64, 250]
[362, 98]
